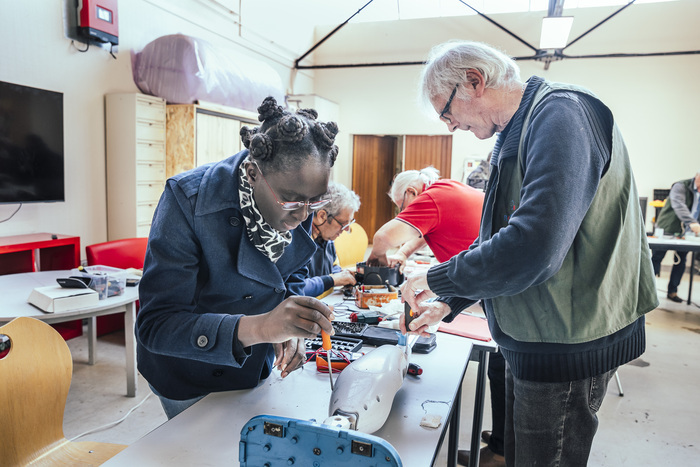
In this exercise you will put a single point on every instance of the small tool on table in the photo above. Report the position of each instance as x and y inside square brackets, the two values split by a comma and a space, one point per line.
[326, 339]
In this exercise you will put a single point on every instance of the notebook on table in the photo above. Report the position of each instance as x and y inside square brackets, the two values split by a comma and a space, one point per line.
[465, 325]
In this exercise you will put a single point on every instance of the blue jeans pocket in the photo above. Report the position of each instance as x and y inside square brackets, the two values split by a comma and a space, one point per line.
[599, 386]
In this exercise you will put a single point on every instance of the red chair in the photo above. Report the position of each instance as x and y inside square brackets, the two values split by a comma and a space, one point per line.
[125, 253]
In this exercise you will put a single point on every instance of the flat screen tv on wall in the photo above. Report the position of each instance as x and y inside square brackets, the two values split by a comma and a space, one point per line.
[31, 145]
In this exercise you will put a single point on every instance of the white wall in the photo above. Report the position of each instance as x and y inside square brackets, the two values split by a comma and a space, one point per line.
[35, 52]
[655, 100]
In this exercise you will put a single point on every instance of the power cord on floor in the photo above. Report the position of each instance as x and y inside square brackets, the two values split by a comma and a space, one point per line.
[109, 425]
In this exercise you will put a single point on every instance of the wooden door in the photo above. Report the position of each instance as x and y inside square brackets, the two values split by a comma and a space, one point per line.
[422, 151]
[374, 159]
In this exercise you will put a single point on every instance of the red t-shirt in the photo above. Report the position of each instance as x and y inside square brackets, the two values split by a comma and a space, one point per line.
[447, 214]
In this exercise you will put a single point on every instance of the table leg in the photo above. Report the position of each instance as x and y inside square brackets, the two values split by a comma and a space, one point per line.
[478, 409]
[692, 265]
[130, 348]
[92, 340]
[453, 436]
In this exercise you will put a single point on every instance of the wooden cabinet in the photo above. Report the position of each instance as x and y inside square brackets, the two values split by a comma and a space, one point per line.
[201, 133]
[135, 162]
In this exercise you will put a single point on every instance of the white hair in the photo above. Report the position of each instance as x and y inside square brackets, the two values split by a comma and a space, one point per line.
[341, 198]
[447, 63]
[418, 179]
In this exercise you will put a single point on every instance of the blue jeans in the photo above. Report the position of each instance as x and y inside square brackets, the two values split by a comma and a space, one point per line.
[552, 424]
[172, 407]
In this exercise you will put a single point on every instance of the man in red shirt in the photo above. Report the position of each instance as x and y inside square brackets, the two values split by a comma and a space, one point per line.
[444, 214]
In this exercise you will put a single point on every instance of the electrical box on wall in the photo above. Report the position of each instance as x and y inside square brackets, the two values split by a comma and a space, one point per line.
[98, 20]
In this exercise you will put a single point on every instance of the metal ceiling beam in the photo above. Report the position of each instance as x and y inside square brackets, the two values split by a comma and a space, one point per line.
[556, 8]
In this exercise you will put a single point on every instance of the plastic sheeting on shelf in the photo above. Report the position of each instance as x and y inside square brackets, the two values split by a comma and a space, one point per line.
[183, 70]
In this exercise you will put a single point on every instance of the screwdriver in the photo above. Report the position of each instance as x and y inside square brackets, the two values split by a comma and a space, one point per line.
[327, 347]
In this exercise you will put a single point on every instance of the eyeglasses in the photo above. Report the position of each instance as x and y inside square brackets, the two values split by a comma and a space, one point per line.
[293, 205]
[403, 201]
[343, 226]
[446, 110]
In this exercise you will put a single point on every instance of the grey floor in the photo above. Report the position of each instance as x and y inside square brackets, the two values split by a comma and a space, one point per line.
[654, 423]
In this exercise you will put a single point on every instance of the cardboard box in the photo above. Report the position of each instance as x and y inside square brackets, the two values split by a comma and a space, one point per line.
[374, 296]
[55, 298]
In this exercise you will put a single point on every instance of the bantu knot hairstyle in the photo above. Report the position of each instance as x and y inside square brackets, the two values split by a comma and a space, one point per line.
[286, 139]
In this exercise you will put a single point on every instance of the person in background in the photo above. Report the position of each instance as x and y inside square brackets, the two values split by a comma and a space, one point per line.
[428, 209]
[480, 176]
[678, 216]
[225, 263]
[562, 262]
[328, 223]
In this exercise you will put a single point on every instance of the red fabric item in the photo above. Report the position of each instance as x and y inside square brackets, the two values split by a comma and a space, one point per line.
[124, 254]
[469, 326]
[447, 214]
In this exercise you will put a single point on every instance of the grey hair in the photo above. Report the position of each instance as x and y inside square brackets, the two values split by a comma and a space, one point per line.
[418, 179]
[341, 198]
[447, 63]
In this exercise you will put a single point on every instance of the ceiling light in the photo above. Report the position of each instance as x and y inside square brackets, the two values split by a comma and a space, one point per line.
[555, 31]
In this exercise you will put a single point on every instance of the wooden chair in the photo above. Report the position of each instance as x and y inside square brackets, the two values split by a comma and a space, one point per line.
[35, 376]
[124, 253]
[351, 246]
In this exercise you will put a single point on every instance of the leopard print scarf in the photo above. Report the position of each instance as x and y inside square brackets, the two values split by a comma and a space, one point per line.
[267, 240]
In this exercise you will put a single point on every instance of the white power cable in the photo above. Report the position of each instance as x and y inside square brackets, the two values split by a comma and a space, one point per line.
[108, 425]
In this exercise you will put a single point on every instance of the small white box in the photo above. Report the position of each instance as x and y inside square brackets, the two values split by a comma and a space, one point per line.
[54, 298]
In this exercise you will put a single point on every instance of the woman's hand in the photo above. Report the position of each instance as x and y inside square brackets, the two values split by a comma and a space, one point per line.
[375, 259]
[397, 258]
[295, 317]
[290, 355]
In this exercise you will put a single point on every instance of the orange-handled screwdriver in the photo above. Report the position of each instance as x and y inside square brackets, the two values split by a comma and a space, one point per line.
[326, 338]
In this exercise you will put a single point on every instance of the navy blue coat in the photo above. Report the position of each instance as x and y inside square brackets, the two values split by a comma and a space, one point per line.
[201, 275]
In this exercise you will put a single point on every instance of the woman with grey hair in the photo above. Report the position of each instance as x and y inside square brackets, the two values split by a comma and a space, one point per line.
[328, 223]
[427, 207]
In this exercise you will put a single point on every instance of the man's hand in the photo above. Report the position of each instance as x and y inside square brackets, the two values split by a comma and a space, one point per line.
[417, 282]
[429, 313]
[695, 227]
[290, 355]
[344, 277]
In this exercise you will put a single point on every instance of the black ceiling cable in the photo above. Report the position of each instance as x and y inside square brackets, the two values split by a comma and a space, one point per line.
[555, 9]
[594, 27]
[498, 25]
[296, 62]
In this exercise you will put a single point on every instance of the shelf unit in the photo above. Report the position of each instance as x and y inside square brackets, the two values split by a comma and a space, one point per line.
[42, 252]
[135, 162]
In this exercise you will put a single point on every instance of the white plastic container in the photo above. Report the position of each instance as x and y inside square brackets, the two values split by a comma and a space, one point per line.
[105, 280]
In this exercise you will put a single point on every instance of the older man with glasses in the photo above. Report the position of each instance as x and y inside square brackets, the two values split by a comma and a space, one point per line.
[329, 222]
[561, 264]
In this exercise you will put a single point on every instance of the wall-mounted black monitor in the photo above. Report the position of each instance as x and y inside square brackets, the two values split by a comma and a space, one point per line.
[31, 145]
